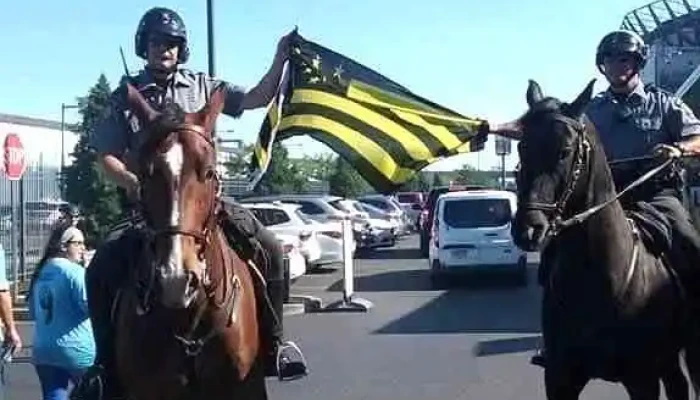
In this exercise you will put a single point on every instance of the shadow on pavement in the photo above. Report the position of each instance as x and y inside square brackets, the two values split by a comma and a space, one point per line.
[419, 280]
[467, 311]
[505, 346]
[390, 281]
[393, 253]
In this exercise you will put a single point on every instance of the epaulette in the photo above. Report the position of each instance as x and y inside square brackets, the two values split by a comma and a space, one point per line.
[651, 88]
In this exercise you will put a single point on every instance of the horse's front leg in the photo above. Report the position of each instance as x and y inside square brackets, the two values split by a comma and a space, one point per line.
[563, 383]
[675, 382]
[643, 387]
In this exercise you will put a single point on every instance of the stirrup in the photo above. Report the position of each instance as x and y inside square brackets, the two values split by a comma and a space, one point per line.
[282, 359]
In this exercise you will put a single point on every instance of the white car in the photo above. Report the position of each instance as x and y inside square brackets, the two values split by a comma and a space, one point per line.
[291, 249]
[320, 208]
[383, 227]
[282, 219]
[330, 237]
[392, 207]
[471, 231]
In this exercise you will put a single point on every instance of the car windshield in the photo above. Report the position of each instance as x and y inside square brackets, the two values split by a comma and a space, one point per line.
[303, 217]
[477, 213]
[408, 198]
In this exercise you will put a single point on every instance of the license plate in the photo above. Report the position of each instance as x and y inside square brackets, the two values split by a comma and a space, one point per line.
[461, 253]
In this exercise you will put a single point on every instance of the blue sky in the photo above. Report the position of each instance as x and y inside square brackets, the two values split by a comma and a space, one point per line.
[474, 57]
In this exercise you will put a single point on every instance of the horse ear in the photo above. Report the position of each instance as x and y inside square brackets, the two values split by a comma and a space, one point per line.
[534, 93]
[579, 104]
[139, 105]
[213, 109]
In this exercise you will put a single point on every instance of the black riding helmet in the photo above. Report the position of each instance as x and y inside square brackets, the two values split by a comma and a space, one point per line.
[162, 21]
[622, 42]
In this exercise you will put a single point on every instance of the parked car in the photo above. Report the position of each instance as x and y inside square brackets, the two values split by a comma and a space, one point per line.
[321, 243]
[471, 231]
[318, 208]
[383, 230]
[292, 252]
[412, 204]
[389, 205]
[426, 217]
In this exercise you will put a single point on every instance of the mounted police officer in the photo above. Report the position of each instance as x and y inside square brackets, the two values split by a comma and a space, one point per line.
[161, 39]
[633, 121]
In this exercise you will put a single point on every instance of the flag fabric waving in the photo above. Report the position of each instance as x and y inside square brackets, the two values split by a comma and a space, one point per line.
[382, 129]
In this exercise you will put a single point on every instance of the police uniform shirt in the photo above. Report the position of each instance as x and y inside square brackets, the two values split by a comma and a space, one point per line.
[631, 126]
[119, 134]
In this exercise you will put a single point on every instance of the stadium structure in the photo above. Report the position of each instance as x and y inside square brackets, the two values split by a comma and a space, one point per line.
[671, 28]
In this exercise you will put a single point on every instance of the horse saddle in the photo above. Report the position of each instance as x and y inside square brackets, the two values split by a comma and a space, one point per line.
[653, 227]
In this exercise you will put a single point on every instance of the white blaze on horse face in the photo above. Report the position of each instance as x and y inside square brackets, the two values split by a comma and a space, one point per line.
[175, 279]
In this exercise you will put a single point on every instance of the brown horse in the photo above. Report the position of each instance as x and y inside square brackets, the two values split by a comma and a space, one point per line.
[187, 323]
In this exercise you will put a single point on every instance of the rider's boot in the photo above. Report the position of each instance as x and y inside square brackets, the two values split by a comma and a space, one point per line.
[284, 359]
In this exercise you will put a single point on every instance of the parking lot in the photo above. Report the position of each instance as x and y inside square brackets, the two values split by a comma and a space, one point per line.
[472, 341]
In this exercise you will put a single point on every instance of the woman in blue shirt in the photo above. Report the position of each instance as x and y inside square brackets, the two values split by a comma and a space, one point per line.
[63, 342]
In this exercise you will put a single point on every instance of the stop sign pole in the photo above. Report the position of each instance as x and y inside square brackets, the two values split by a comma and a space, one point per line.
[15, 165]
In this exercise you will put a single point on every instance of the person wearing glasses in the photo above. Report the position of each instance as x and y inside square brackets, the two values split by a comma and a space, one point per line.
[64, 346]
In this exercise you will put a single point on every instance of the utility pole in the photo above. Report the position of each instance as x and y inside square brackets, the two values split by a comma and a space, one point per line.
[64, 107]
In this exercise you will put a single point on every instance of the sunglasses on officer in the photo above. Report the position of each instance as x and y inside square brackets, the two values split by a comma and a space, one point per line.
[165, 41]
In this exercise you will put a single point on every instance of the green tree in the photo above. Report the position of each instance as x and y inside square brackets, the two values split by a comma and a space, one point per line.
[437, 181]
[237, 165]
[418, 183]
[469, 175]
[319, 167]
[84, 182]
[346, 181]
[282, 175]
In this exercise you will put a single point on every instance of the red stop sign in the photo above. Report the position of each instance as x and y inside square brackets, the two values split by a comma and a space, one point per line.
[15, 163]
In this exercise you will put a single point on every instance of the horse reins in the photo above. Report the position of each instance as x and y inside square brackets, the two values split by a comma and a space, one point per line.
[583, 149]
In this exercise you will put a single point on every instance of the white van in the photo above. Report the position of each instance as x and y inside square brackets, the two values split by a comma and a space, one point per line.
[471, 231]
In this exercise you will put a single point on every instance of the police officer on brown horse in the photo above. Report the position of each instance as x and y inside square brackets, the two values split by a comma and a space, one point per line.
[161, 39]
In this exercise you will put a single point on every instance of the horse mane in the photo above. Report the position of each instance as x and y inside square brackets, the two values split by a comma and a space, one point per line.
[168, 120]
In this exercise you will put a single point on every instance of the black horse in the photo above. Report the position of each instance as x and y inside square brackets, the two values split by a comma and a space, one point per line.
[612, 309]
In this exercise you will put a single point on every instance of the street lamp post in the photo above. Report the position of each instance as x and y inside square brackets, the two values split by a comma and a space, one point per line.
[210, 36]
[64, 107]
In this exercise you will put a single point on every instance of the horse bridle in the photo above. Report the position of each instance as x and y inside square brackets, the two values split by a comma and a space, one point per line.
[581, 158]
[203, 237]
[583, 149]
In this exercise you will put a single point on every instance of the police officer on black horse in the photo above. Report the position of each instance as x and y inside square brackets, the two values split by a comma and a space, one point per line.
[161, 39]
[634, 120]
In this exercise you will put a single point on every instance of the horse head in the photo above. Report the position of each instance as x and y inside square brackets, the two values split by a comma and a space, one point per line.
[179, 196]
[553, 150]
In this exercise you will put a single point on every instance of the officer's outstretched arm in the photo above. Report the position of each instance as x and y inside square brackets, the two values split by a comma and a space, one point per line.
[261, 95]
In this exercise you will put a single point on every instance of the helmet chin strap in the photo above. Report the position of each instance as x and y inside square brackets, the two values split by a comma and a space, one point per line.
[161, 73]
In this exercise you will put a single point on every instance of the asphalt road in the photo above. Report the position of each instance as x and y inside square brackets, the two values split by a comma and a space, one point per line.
[473, 341]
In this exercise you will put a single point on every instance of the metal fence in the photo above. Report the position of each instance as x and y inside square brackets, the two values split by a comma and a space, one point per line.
[28, 210]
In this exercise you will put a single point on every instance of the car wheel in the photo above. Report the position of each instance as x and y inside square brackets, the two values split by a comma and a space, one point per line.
[287, 282]
[521, 272]
[438, 281]
[423, 246]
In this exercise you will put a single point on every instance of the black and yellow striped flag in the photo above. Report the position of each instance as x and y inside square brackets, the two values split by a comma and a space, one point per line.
[386, 132]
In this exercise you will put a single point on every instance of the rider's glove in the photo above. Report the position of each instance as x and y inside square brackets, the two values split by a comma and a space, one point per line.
[667, 151]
